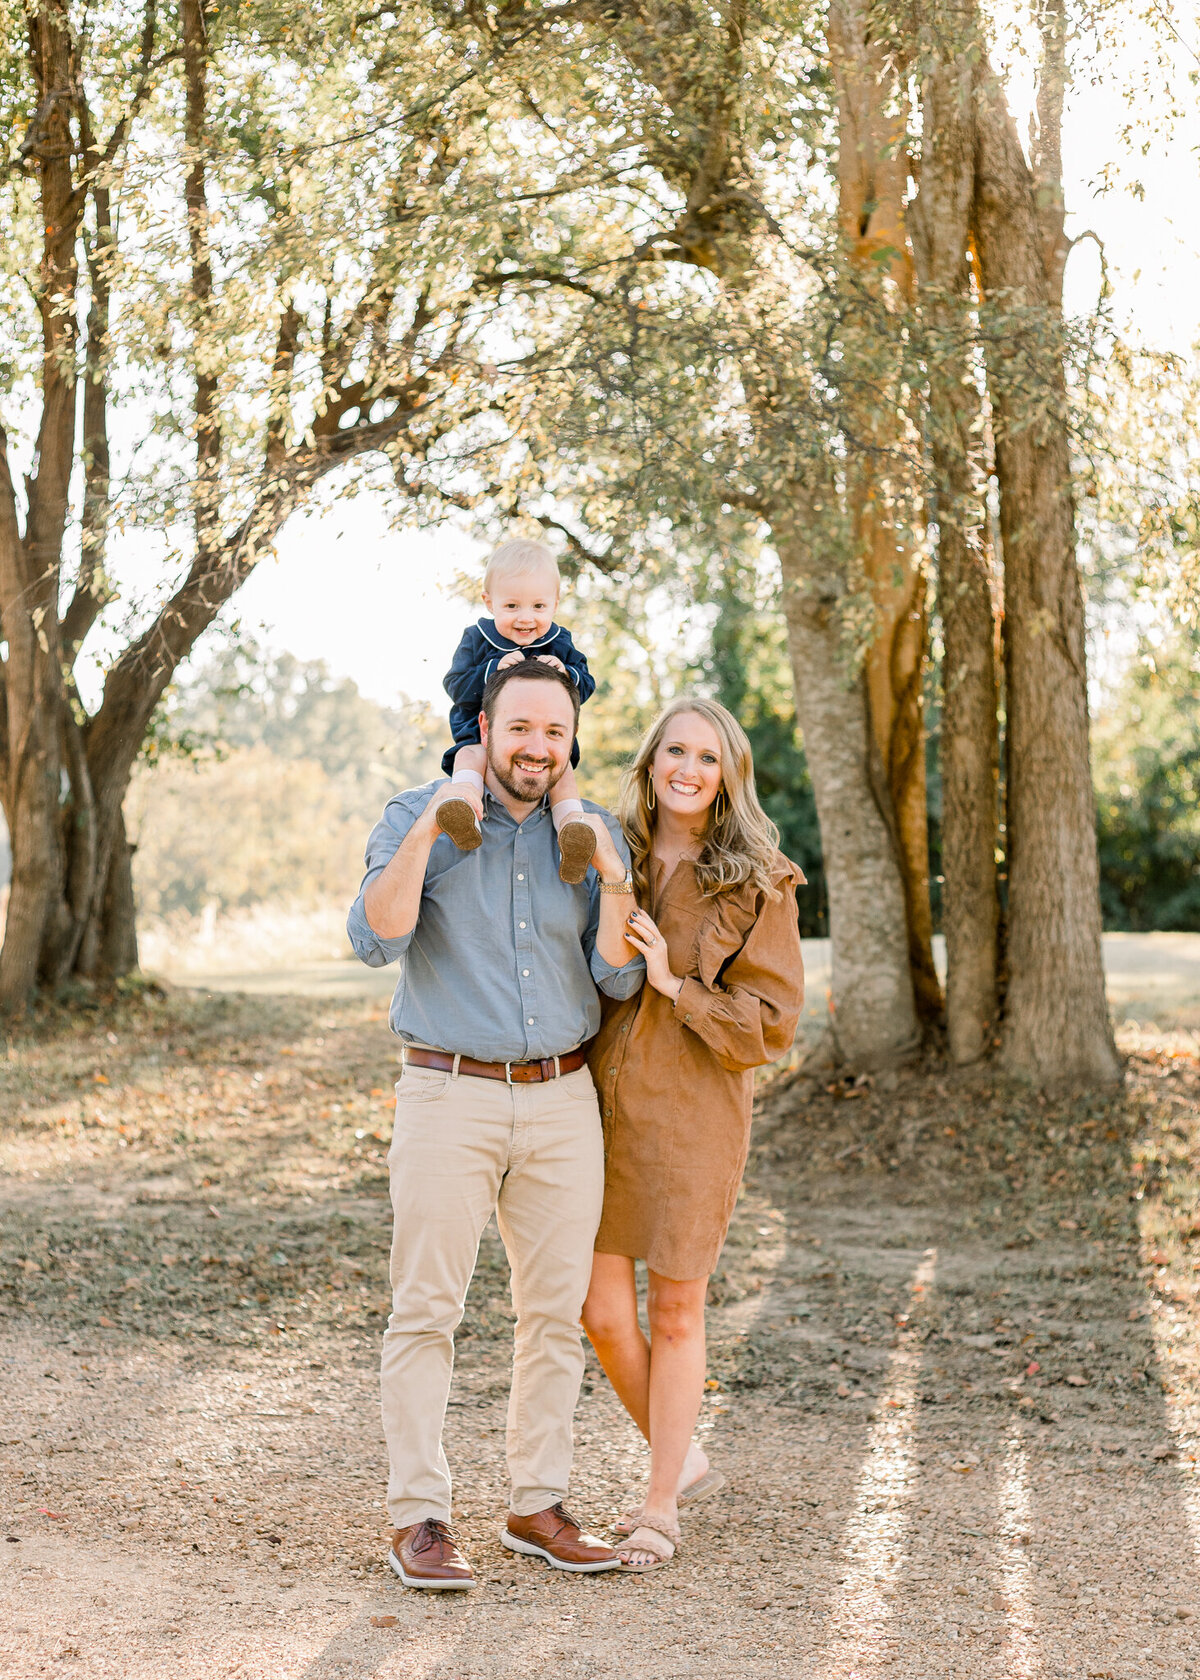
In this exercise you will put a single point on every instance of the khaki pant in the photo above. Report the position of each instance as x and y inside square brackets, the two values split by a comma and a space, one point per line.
[461, 1148]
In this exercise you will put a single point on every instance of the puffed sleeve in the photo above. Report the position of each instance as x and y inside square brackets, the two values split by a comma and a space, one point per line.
[469, 669]
[746, 1002]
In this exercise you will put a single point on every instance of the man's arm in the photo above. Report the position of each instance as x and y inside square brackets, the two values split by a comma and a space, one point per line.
[383, 916]
[617, 967]
[392, 899]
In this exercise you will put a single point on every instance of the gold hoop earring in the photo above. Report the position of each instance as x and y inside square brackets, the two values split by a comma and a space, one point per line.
[721, 806]
[651, 796]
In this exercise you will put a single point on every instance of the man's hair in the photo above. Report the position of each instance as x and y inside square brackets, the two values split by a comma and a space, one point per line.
[518, 559]
[529, 670]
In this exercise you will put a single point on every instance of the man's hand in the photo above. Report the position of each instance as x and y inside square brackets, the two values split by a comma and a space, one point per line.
[555, 664]
[427, 822]
[605, 859]
[513, 658]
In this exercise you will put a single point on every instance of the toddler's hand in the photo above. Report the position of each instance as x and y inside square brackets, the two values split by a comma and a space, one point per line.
[513, 658]
[549, 659]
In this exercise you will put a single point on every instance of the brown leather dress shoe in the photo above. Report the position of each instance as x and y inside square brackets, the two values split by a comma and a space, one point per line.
[427, 1555]
[554, 1534]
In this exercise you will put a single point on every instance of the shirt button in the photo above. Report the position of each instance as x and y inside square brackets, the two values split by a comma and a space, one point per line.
[608, 1113]
[612, 1070]
[520, 924]
[520, 877]
[529, 1022]
[687, 1017]
[625, 1028]
[525, 972]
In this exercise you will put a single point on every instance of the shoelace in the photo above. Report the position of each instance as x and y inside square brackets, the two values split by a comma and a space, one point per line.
[564, 1515]
[432, 1532]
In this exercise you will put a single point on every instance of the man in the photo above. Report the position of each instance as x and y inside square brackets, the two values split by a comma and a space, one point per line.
[495, 1110]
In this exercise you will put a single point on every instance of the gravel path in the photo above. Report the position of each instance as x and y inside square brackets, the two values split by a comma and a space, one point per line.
[953, 1383]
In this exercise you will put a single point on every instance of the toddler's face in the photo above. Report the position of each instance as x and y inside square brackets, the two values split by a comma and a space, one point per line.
[523, 606]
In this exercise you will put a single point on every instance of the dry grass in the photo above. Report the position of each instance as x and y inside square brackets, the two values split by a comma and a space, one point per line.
[262, 936]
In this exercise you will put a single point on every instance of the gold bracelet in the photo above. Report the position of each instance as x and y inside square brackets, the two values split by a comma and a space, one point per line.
[625, 886]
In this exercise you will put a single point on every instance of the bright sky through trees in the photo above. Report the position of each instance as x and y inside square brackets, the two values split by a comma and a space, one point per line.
[396, 619]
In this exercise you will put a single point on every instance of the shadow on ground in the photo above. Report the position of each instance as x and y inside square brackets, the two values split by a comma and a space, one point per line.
[953, 1379]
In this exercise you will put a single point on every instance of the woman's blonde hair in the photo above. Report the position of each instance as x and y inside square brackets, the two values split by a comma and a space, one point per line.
[519, 558]
[741, 845]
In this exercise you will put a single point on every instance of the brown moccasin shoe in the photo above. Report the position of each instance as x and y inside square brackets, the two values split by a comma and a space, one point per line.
[427, 1555]
[456, 818]
[576, 845]
[554, 1534]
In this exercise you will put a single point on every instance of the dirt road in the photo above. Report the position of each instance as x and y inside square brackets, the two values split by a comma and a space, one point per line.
[953, 1359]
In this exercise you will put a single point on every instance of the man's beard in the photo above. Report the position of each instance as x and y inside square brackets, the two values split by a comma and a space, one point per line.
[522, 784]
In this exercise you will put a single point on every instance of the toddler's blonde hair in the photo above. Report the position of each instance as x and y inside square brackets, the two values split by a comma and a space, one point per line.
[518, 559]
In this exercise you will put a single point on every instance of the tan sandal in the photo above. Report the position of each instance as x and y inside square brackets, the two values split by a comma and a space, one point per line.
[577, 846]
[703, 1487]
[456, 819]
[660, 1538]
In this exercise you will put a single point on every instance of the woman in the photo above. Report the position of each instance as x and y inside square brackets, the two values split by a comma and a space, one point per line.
[724, 988]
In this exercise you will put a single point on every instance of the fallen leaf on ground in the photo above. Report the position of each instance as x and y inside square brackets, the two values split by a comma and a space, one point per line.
[385, 1621]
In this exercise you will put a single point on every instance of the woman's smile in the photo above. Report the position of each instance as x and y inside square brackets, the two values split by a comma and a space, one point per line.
[686, 769]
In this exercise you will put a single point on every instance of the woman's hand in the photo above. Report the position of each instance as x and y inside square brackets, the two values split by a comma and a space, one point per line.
[642, 934]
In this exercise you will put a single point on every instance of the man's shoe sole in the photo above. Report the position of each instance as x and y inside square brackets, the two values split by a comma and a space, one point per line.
[527, 1547]
[424, 1583]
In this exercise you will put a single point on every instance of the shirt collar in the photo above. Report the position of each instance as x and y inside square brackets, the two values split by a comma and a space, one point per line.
[491, 802]
[487, 629]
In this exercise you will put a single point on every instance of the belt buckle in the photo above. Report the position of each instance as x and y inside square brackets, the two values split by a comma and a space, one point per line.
[508, 1072]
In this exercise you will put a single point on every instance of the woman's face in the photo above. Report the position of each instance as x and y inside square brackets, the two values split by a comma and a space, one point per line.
[686, 769]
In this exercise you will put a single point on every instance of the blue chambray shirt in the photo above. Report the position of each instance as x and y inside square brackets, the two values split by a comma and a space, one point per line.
[502, 963]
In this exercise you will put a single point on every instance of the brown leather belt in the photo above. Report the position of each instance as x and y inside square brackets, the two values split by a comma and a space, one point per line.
[514, 1073]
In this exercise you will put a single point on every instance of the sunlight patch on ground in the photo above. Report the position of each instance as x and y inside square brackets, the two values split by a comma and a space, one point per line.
[1014, 1565]
[877, 1533]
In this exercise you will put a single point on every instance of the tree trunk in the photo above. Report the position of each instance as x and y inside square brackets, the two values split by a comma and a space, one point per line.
[939, 221]
[873, 1014]
[118, 949]
[39, 935]
[1056, 1023]
[872, 172]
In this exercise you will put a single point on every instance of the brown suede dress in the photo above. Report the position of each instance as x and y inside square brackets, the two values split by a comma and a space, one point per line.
[676, 1081]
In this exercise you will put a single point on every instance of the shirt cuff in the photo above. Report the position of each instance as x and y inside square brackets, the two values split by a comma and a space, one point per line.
[693, 1003]
[618, 983]
[367, 945]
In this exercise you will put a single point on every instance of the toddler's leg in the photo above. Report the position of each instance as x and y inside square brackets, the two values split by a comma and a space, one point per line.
[576, 840]
[470, 762]
[459, 817]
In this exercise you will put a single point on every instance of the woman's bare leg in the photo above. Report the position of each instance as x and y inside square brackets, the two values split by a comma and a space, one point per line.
[645, 1374]
[677, 1364]
[610, 1318]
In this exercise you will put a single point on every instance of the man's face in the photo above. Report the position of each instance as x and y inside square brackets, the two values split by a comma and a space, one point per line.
[529, 741]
